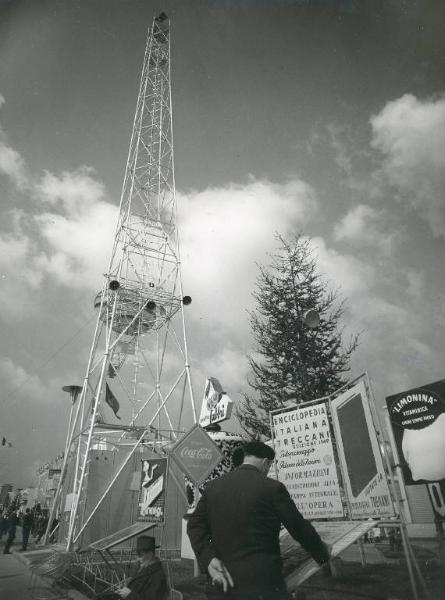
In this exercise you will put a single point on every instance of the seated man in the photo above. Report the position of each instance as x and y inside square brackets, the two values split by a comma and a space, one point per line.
[150, 582]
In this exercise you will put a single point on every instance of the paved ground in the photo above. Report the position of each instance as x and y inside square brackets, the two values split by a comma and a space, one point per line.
[16, 579]
[15, 572]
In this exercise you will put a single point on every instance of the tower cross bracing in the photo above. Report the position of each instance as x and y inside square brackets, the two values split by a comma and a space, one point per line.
[138, 363]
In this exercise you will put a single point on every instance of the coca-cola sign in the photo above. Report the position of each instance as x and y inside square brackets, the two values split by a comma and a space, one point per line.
[196, 454]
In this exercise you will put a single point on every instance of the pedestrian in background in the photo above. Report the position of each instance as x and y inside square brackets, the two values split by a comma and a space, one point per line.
[3, 523]
[13, 521]
[43, 523]
[27, 523]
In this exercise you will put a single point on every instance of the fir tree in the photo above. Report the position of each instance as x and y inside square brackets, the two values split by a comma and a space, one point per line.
[292, 360]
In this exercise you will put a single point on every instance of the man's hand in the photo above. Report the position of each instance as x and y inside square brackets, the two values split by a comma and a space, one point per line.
[123, 592]
[219, 574]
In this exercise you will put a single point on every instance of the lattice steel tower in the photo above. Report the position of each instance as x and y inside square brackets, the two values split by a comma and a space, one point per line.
[139, 341]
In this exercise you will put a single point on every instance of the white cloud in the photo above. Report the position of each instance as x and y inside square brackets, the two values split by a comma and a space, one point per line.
[13, 165]
[80, 246]
[225, 231]
[15, 379]
[411, 135]
[73, 191]
[386, 304]
[366, 226]
[70, 244]
[18, 275]
[342, 152]
[229, 365]
[79, 232]
[352, 275]
[11, 162]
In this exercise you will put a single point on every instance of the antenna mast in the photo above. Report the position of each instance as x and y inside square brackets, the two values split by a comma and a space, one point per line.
[138, 362]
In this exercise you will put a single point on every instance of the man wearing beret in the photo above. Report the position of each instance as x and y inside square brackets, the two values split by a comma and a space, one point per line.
[150, 582]
[234, 530]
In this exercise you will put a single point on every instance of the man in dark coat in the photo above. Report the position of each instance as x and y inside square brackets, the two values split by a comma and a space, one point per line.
[13, 521]
[3, 523]
[150, 582]
[234, 530]
[27, 524]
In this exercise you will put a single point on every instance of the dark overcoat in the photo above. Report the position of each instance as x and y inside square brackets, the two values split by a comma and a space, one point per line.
[149, 583]
[238, 520]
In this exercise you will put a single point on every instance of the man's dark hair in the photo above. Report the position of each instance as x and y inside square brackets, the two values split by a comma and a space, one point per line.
[238, 456]
[259, 449]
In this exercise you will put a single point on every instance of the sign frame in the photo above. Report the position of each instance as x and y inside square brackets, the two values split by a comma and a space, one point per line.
[196, 430]
[216, 404]
[324, 458]
[336, 402]
[406, 412]
[158, 488]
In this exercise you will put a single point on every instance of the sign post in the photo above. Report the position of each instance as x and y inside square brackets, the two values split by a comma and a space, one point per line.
[197, 456]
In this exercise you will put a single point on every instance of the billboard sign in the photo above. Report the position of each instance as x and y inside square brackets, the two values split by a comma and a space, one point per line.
[305, 460]
[216, 405]
[364, 476]
[197, 454]
[152, 492]
[418, 422]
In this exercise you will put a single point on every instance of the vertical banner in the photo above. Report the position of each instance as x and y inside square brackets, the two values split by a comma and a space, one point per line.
[153, 490]
[358, 449]
[418, 422]
[305, 460]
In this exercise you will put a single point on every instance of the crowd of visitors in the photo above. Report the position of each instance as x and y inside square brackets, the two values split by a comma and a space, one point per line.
[33, 522]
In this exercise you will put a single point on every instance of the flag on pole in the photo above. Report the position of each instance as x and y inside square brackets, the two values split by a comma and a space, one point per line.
[111, 400]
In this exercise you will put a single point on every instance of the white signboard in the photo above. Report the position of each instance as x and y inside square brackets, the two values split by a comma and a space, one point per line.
[358, 449]
[305, 460]
[216, 405]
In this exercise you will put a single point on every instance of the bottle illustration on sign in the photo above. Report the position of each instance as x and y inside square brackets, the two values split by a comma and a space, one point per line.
[216, 404]
[418, 422]
[150, 489]
[424, 450]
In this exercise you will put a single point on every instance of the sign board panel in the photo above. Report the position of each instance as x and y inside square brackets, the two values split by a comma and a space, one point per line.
[358, 449]
[153, 490]
[305, 460]
[68, 502]
[339, 535]
[418, 422]
[118, 537]
[216, 405]
[196, 454]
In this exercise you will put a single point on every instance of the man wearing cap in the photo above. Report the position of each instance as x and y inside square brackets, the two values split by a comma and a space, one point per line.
[234, 530]
[150, 582]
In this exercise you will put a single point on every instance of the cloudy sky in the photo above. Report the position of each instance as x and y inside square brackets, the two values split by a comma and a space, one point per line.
[326, 117]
